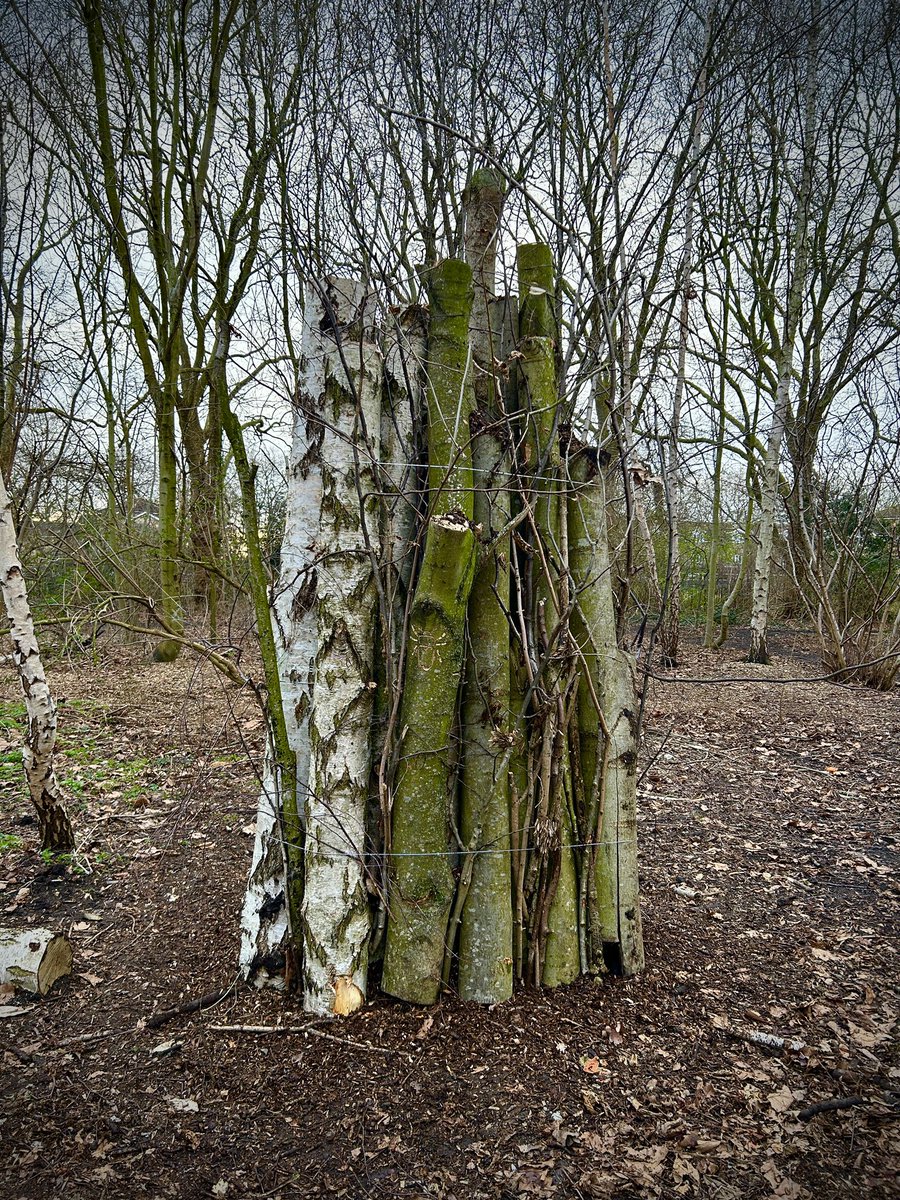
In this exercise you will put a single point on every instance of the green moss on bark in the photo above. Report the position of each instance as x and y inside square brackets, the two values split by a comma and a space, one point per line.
[421, 883]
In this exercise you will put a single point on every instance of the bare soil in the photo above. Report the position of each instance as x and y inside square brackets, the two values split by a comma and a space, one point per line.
[769, 851]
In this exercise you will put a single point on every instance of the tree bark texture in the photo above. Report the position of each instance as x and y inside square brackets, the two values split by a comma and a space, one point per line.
[485, 945]
[33, 959]
[607, 720]
[40, 707]
[336, 919]
[762, 571]
[421, 884]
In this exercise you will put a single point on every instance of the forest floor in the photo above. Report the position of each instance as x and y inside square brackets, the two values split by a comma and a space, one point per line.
[769, 844]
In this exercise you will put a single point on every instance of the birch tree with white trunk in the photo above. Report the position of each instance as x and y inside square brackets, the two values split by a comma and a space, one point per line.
[762, 572]
[40, 707]
[265, 921]
[347, 402]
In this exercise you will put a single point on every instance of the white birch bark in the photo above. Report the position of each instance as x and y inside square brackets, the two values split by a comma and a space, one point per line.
[762, 572]
[40, 707]
[336, 905]
[264, 922]
[33, 959]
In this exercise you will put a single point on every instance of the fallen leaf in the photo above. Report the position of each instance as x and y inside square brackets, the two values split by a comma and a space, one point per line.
[824, 955]
[13, 1010]
[424, 1029]
[180, 1105]
[166, 1047]
[783, 1099]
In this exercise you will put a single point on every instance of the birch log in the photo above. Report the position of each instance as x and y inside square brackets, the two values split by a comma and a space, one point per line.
[265, 927]
[336, 907]
[33, 959]
[40, 737]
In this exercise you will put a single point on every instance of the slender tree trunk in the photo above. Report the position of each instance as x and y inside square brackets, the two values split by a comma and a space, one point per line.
[40, 738]
[168, 649]
[669, 633]
[336, 914]
[402, 451]
[731, 598]
[709, 634]
[485, 947]
[421, 883]
[770, 475]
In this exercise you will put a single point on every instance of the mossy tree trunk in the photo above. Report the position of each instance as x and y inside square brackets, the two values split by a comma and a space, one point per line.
[606, 729]
[554, 948]
[553, 951]
[421, 882]
[485, 944]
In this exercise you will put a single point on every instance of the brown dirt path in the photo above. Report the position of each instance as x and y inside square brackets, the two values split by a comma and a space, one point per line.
[769, 851]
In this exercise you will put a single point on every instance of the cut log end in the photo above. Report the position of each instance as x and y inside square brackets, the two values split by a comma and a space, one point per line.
[34, 959]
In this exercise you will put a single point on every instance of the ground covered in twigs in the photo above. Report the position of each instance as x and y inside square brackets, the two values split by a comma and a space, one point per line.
[769, 847]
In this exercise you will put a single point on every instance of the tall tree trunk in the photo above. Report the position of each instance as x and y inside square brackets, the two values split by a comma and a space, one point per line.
[403, 424]
[709, 633]
[274, 892]
[485, 946]
[336, 918]
[168, 649]
[671, 618]
[40, 738]
[770, 475]
[295, 616]
[421, 884]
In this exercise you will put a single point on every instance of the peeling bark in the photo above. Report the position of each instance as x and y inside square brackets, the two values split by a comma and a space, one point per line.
[336, 914]
[33, 959]
[40, 737]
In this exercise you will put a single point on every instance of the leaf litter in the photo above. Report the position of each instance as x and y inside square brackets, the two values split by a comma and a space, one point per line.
[770, 900]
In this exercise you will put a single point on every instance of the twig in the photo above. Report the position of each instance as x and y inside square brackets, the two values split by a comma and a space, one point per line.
[769, 1041]
[83, 1038]
[319, 1033]
[190, 1006]
[830, 1106]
